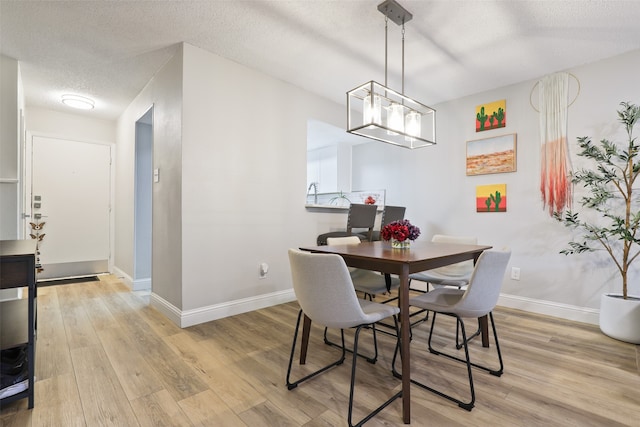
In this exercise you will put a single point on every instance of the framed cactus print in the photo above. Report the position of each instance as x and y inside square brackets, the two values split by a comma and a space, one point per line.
[492, 115]
[492, 155]
[491, 198]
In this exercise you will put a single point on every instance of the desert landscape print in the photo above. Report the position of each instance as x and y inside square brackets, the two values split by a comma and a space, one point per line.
[491, 155]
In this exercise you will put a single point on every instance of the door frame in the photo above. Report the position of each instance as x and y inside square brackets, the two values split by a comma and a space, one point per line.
[143, 207]
[27, 215]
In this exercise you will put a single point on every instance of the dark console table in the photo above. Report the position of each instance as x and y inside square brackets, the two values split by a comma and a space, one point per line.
[18, 317]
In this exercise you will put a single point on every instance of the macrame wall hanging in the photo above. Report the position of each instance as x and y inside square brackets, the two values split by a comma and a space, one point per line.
[555, 170]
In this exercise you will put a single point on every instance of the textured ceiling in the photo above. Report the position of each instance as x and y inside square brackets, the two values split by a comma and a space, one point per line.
[109, 50]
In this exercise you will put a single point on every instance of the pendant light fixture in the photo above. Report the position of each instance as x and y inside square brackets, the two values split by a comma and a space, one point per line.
[375, 111]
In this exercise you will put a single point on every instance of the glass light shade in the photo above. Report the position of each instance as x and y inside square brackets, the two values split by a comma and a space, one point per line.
[77, 101]
[412, 123]
[416, 131]
[372, 110]
[395, 117]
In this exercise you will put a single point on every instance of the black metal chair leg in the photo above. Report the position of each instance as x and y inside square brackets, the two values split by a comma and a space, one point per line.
[465, 405]
[470, 337]
[496, 372]
[369, 359]
[292, 385]
[353, 382]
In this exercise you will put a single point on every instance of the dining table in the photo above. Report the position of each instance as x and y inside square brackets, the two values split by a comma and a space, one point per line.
[380, 256]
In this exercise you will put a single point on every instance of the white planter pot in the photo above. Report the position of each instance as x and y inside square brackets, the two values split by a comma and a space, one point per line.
[620, 318]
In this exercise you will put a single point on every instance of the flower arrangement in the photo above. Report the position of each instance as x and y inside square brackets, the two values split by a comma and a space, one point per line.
[400, 231]
[370, 201]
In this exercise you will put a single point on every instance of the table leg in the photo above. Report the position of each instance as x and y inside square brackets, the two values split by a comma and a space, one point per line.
[304, 344]
[483, 323]
[405, 325]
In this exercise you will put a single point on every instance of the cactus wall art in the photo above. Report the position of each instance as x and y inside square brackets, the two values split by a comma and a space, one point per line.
[491, 198]
[492, 115]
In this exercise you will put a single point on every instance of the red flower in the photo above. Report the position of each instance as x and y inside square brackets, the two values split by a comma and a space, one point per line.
[400, 230]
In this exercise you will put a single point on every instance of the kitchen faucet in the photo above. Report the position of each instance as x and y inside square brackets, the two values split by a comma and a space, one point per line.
[313, 185]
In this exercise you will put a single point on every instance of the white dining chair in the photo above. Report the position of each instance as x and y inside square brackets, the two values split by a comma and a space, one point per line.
[456, 275]
[479, 299]
[326, 295]
[370, 283]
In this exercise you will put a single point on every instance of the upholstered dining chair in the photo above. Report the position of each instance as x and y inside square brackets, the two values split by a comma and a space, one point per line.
[324, 290]
[360, 217]
[456, 275]
[479, 299]
[370, 283]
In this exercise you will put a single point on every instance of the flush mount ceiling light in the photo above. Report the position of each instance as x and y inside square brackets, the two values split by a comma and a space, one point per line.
[378, 112]
[77, 101]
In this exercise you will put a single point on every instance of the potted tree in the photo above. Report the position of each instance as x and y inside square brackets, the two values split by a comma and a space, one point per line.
[616, 229]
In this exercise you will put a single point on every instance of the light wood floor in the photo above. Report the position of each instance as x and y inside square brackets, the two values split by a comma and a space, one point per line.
[105, 358]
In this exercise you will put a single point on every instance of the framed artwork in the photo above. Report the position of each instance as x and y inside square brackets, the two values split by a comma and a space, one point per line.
[492, 155]
[492, 115]
[491, 198]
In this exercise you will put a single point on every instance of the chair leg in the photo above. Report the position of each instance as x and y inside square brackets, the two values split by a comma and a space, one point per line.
[497, 372]
[470, 337]
[292, 385]
[373, 359]
[353, 381]
[386, 325]
[465, 341]
[465, 405]
[426, 316]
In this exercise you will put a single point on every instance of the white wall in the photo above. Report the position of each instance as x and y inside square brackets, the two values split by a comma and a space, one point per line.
[11, 145]
[244, 180]
[233, 185]
[164, 93]
[11, 106]
[440, 198]
[70, 126]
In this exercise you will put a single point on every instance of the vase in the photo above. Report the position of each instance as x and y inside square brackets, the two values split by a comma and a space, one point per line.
[620, 318]
[397, 244]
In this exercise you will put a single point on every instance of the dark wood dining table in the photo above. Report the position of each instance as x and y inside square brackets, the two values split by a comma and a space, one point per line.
[380, 256]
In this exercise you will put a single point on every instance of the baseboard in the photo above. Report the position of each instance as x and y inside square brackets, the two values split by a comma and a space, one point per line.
[165, 307]
[73, 269]
[141, 284]
[123, 276]
[563, 311]
[218, 311]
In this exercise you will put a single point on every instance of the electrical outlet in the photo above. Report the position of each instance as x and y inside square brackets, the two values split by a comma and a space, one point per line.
[515, 273]
[263, 270]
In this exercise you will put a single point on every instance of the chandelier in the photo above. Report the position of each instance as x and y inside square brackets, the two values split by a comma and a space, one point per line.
[375, 111]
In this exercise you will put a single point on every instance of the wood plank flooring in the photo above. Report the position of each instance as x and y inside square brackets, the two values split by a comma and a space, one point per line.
[105, 358]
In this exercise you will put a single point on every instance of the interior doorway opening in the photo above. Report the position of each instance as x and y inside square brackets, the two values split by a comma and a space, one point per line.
[143, 204]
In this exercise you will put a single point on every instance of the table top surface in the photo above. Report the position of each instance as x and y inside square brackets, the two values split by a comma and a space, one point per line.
[17, 247]
[381, 250]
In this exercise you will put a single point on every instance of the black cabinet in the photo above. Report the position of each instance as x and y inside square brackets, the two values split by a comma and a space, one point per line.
[18, 317]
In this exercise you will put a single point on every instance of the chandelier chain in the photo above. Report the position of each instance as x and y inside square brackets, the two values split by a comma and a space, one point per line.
[403, 57]
[386, 48]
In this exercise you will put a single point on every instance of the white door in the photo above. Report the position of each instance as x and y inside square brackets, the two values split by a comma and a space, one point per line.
[70, 201]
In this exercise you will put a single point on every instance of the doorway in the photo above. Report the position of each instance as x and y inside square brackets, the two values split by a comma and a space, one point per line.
[70, 207]
[143, 204]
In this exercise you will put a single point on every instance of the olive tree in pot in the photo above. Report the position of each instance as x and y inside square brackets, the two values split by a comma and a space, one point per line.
[616, 230]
